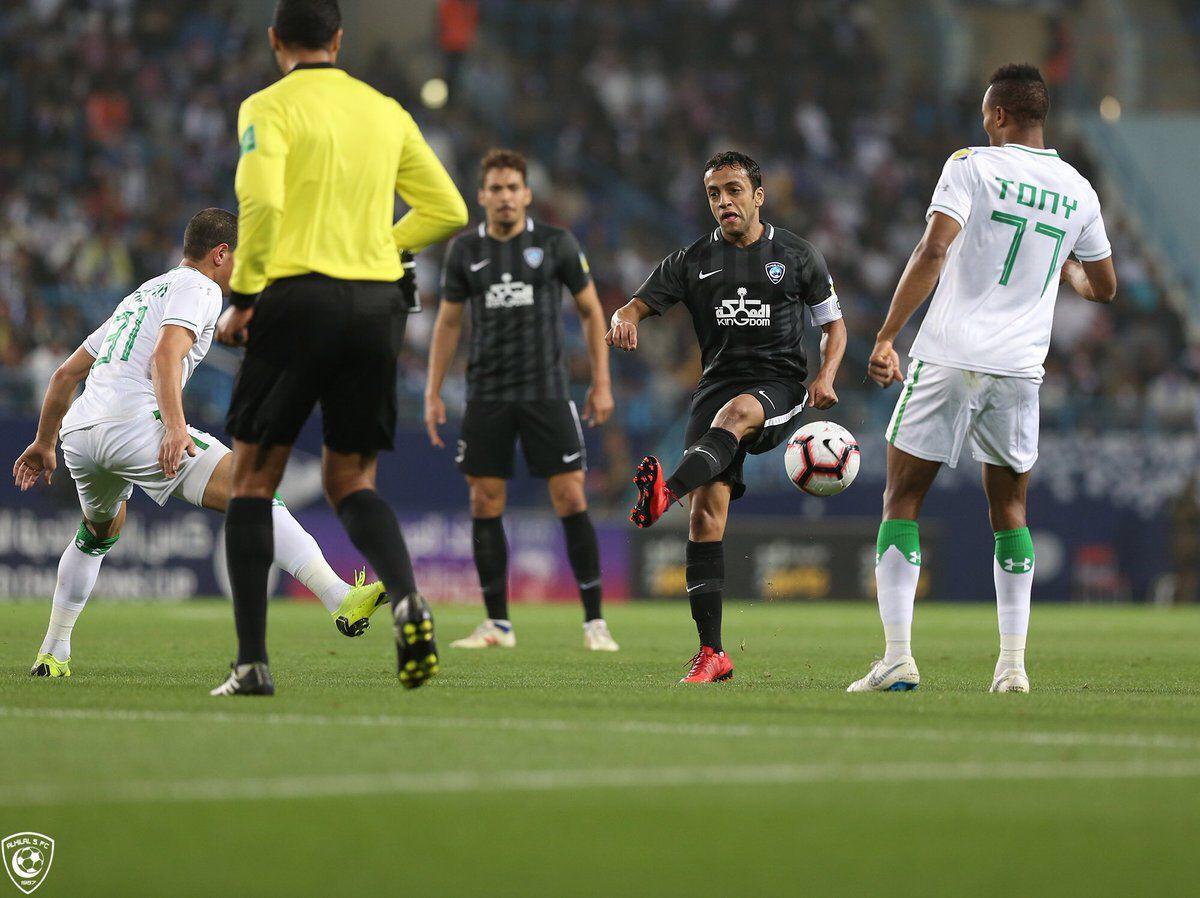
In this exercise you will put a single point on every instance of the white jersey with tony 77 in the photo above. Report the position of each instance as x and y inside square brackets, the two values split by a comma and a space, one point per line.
[1023, 212]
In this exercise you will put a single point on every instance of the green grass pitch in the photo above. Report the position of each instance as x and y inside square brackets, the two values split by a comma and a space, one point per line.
[551, 771]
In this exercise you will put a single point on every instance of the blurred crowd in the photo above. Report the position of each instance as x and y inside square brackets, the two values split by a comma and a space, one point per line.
[117, 122]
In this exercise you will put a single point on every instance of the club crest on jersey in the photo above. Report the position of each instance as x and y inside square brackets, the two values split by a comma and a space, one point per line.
[534, 255]
[775, 271]
[743, 312]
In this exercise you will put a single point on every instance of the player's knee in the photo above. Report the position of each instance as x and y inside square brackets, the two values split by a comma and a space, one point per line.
[567, 496]
[705, 524]
[487, 501]
[738, 415]
[1009, 515]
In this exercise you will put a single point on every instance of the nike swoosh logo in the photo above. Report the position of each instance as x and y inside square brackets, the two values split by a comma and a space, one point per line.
[705, 274]
[475, 266]
[876, 679]
[697, 586]
[590, 584]
[706, 452]
[766, 397]
[567, 459]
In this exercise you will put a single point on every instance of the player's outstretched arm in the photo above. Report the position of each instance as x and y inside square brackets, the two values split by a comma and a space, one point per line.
[38, 461]
[1094, 281]
[446, 331]
[622, 333]
[833, 347]
[599, 404]
[166, 373]
[916, 283]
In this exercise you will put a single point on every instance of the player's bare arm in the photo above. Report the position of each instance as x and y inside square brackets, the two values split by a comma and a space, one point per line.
[599, 403]
[622, 333]
[446, 332]
[1094, 281]
[38, 461]
[166, 373]
[231, 326]
[916, 283]
[821, 394]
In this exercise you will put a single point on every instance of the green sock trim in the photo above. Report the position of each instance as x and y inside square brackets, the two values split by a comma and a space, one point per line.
[1014, 550]
[904, 535]
[90, 544]
[278, 501]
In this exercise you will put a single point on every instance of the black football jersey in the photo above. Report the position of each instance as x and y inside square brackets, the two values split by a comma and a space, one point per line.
[514, 288]
[747, 303]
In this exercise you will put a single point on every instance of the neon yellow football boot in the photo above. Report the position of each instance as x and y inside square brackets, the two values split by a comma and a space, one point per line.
[353, 616]
[47, 665]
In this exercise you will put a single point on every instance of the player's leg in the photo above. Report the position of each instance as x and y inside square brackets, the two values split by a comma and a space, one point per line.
[706, 580]
[1012, 570]
[296, 552]
[707, 455]
[583, 551]
[490, 550]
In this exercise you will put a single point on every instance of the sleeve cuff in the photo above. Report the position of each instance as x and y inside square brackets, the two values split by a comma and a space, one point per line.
[946, 210]
[1093, 257]
[242, 300]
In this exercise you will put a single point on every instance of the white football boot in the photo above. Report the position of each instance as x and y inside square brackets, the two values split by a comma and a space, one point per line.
[899, 676]
[596, 637]
[1011, 679]
[488, 635]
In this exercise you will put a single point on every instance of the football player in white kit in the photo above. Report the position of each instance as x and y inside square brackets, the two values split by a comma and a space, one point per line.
[128, 429]
[1002, 227]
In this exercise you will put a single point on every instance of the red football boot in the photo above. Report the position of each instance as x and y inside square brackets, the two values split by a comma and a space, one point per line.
[709, 666]
[653, 496]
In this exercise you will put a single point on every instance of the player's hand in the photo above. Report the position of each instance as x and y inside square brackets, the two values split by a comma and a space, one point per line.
[822, 394]
[170, 452]
[36, 462]
[231, 326]
[435, 414]
[884, 366]
[622, 335]
[598, 406]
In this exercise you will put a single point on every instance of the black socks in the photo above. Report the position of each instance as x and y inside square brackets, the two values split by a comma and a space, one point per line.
[705, 581]
[584, 554]
[372, 527]
[249, 549]
[491, 560]
[703, 461]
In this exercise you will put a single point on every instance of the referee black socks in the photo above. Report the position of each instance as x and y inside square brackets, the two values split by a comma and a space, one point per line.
[372, 527]
[703, 461]
[583, 551]
[249, 548]
[705, 582]
[491, 561]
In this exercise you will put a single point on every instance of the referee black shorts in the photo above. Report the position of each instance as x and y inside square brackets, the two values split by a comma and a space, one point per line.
[548, 429]
[316, 339]
[782, 403]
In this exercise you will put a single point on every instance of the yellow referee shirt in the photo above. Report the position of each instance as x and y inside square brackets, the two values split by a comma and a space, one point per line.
[322, 157]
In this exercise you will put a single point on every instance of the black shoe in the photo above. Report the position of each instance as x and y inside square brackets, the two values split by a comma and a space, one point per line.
[416, 649]
[247, 679]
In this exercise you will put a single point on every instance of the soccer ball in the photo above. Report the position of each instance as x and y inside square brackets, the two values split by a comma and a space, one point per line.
[822, 458]
[27, 862]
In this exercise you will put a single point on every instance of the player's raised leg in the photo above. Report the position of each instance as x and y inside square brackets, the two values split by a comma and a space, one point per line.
[490, 549]
[1012, 570]
[898, 570]
[77, 572]
[706, 580]
[583, 552]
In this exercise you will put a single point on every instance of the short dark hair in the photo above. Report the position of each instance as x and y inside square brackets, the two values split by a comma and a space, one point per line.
[734, 159]
[501, 158]
[307, 23]
[1020, 88]
[209, 228]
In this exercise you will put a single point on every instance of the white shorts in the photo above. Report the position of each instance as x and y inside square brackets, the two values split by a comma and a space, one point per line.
[108, 460]
[940, 407]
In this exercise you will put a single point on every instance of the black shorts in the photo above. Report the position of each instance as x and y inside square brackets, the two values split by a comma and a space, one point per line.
[549, 431]
[782, 402]
[315, 339]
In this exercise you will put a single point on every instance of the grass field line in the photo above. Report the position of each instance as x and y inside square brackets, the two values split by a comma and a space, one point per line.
[633, 727]
[468, 781]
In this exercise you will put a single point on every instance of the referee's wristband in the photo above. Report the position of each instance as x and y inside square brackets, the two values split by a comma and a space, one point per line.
[242, 300]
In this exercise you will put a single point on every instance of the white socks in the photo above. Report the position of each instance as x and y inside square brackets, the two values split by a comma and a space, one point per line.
[896, 586]
[77, 572]
[1013, 592]
[298, 554]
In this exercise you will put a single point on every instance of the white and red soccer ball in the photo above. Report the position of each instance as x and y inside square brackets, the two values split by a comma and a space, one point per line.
[822, 458]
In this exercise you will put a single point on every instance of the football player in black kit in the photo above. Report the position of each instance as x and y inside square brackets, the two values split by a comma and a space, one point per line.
[747, 285]
[510, 273]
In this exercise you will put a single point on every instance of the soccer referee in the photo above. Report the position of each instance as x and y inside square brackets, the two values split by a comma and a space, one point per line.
[320, 300]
